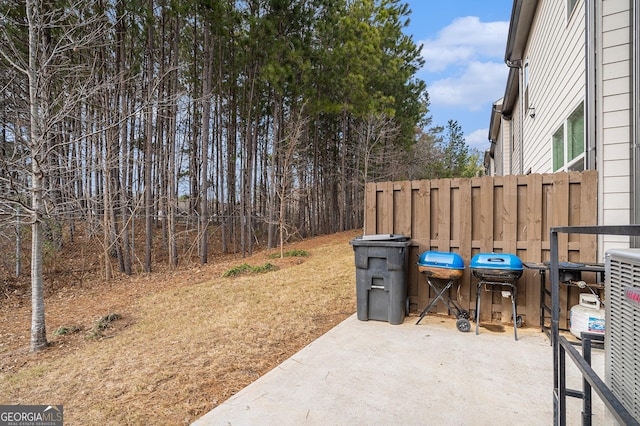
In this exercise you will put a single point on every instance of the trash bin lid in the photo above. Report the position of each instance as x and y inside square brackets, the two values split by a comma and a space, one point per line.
[381, 240]
[384, 237]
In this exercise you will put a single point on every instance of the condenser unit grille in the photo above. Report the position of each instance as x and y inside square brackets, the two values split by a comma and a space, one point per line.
[622, 339]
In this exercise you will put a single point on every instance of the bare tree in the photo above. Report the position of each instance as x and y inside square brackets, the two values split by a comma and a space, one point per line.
[373, 132]
[206, 123]
[290, 146]
[56, 40]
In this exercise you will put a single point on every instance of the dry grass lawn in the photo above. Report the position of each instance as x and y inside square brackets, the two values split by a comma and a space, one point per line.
[185, 340]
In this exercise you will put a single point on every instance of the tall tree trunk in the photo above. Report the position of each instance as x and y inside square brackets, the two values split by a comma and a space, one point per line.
[37, 147]
[18, 244]
[204, 168]
[38, 328]
[123, 145]
[171, 137]
[148, 147]
[106, 226]
[273, 171]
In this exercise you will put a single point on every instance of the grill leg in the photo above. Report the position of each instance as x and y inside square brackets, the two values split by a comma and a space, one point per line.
[435, 299]
[513, 308]
[479, 287]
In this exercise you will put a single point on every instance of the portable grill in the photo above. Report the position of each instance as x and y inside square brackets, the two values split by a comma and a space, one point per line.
[497, 270]
[441, 270]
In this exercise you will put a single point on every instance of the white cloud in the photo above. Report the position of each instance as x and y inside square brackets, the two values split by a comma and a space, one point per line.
[438, 56]
[465, 73]
[465, 39]
[479, 84]
[478, 139]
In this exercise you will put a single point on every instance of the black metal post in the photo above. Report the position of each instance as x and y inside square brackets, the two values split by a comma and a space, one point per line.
[561, 418]
[586, 387]
[543, 291]
[555, 321]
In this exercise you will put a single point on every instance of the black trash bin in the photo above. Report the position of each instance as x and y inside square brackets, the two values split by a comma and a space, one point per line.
[381, 277]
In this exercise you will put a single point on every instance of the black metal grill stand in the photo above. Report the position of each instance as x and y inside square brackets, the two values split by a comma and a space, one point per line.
[443, 294]
[513, 291]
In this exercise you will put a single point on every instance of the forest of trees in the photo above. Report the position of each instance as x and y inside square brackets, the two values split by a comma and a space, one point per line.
[254, 120]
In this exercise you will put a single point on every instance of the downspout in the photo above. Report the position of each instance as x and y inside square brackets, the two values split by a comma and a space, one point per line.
[590, 95]
[518, 65]
[635, 110]
[591, 44]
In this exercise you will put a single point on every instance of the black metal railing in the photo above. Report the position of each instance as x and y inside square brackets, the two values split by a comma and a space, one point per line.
[562, 347]
[590, 380]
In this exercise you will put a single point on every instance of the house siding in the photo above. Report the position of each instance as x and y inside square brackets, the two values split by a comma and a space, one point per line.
[515, 147]
[502, 151]
[614, 162]
[556, 56]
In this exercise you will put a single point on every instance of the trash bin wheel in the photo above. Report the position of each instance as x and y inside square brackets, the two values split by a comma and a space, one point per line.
[518, 321]
[464, 314]
[463, 325]
[406, 307]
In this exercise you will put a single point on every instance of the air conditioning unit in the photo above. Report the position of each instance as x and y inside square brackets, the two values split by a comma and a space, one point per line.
[622, 337]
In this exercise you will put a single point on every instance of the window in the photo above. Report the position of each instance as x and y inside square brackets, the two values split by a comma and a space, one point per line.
[571, 4]
[568, 143]
[558, 149]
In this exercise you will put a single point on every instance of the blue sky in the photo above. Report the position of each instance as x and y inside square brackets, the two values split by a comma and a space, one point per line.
[464, 44]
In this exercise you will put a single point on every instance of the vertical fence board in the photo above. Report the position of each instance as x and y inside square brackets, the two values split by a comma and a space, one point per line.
[421, 213]
[588, 203]
[467, 297]
[560, 217]
[510, 214]
[402, 208]
[443, 219]
[420, 233]
[510, 230]
[487, 242]
[534, 230]
[386, 216]
[487, 211]
[444, 215]
[370, 209]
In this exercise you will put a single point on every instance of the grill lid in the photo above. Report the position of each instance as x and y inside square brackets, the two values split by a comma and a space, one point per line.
[439, 259]
[496, 261]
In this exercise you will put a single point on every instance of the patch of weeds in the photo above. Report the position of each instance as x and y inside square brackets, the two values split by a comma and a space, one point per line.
[264, 268]
[245, 268]
[237, 270]
[102, 324]
[64, 330]
[290, 253]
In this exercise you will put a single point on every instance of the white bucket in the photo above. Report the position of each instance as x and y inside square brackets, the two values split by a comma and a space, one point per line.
[587, 316]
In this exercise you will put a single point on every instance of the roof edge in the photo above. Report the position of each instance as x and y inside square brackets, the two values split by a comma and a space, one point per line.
[522, 14]
[494, 121]
[511, 92]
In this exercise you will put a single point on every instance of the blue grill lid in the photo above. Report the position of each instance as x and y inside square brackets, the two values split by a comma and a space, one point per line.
[508, 262]
[439, 259]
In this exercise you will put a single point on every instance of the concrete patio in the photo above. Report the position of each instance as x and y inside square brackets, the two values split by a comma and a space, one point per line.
[374, 373]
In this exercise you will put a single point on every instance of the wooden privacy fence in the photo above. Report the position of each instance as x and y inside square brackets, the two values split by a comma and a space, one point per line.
[507, 214]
